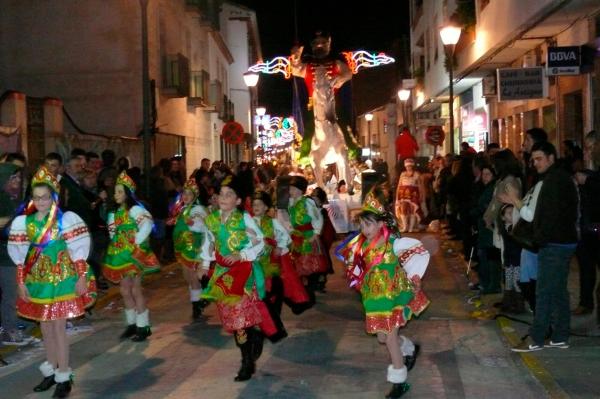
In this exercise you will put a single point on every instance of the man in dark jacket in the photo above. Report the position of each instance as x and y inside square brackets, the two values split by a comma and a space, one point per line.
[555, 232]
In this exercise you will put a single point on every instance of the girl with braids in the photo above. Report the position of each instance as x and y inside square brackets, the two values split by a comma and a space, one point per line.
[281, 278]
[129, 256]
[54, 280]
[187, 215]
[387, 271]
[237, 284]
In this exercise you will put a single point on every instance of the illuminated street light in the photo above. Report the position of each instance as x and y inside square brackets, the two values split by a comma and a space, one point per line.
[450, 35]
[250, 79]
[403, 94]
[261, 111]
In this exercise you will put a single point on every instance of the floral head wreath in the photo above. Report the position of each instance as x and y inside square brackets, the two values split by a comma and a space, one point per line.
[192, 186]
[43, 176]
[126, 181]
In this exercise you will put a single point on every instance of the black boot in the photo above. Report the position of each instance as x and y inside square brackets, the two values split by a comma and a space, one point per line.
[129, 331]
[141, 334]
[248, 367]
[46, 384]
[196, 310]
[256, 339]
[397, 390]
[62, 389]
[410, 360]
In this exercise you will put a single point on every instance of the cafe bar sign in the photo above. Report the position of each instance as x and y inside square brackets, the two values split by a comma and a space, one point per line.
[564, 60]
[522, 83]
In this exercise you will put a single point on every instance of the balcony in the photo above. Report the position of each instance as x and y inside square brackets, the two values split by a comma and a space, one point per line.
[175, 76]
[199, 88]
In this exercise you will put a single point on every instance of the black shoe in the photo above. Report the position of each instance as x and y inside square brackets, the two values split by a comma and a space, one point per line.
[245, 372]
[278, 336]
[46, 384]
[196, 310]
[62, 389]
[397, 390]
[299, 308]
[409, 361]
[141, 334]
[129, 331]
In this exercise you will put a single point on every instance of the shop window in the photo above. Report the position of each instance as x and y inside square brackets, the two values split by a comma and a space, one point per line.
[573, 117]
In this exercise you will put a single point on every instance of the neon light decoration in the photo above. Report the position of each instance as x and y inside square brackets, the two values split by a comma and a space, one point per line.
[276, 65]
[362, 59]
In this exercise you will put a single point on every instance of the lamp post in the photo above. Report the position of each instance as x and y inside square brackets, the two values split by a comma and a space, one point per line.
[251, 80]
[369, 118]
[146, 135]
[450, 35]
[403, 95]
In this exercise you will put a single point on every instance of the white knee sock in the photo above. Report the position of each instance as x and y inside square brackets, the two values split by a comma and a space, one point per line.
[142, 319]
[129, 316]
[396, 376]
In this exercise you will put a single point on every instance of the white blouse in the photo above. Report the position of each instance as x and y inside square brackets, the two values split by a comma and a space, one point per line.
[74, 232]
[251, 250]
[142, 218]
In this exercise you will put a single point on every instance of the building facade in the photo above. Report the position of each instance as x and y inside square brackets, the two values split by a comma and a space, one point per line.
[88, 56]
[498, 35]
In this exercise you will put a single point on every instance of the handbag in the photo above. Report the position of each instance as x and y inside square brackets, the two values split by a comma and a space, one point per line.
[522, 233]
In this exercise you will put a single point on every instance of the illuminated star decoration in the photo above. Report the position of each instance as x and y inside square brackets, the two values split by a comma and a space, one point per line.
[362, 59]
[276, 65]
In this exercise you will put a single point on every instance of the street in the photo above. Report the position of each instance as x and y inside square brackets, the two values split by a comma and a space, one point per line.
[326, 355]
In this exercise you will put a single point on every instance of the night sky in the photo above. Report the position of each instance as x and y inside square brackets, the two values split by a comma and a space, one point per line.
[373, 26]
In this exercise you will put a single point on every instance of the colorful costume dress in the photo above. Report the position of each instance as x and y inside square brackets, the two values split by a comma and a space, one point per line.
[129, 252]
[50, 266]
[408, 197]
[188, 235]
[237, 288]
[276, 236]
[376, 270]
[306, 220]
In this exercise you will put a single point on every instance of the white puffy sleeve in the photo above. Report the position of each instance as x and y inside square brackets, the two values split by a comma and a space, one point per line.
[77, 236]
[144, 222]
[111, 224]
[315, 215]
[197, 215]
[18, 241]
[256, 242]
[412, 255]
[281, 236]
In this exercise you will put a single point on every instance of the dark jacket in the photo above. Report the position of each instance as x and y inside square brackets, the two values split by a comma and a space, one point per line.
[589, 195]
[555, 216]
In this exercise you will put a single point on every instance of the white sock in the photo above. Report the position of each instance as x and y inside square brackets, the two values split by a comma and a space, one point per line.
[406, 346]
[396, 376]
[195, 295]
[61, 376]
[129, 316]
[46, 369]
[142, 319]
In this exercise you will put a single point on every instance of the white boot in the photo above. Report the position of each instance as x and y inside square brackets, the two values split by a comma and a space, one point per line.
[407, 347]
[61, 376]
[142, 319]
[195, 295]
[130, 316]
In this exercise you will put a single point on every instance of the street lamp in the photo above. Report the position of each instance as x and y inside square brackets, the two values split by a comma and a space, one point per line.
[251, 80]
[369, 118]
[261, 111]
[403, 95]
[450, 35]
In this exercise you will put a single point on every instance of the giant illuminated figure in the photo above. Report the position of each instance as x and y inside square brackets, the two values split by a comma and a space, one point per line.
[330, 139]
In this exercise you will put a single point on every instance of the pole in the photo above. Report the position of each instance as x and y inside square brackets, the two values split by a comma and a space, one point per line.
[145, 97]
[369, 141]
[451, 93]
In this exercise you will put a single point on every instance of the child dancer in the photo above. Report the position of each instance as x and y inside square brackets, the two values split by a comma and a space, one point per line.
[237, 283]
[129, 256]
[188, 217]
[54, 280]
[281, 278]
[390, 294]
[307, 250]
